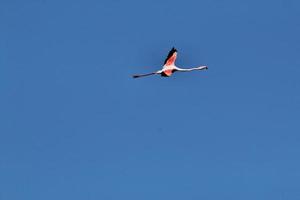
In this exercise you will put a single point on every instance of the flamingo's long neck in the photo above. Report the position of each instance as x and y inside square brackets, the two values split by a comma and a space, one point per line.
[191, 69]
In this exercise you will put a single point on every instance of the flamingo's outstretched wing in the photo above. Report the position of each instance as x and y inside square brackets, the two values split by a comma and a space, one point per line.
[170, 60]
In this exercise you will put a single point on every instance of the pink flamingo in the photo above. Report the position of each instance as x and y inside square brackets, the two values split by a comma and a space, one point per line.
[169, 67]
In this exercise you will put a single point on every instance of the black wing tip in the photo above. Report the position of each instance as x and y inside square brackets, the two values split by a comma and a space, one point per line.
[174, 49]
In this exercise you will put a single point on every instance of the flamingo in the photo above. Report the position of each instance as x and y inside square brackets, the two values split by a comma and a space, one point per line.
[169, 67]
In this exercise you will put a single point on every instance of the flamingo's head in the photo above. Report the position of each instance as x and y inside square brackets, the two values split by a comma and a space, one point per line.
[203, 67]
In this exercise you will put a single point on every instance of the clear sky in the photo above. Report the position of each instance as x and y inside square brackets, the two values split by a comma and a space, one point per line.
[75, 125]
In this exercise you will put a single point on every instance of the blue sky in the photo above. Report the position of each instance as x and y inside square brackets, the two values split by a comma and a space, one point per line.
[75, 125]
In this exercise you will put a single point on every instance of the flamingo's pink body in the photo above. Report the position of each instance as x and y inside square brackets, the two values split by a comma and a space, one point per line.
[169, 66]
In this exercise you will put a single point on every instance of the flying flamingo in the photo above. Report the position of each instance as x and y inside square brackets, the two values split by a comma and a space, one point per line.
[169, 66]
